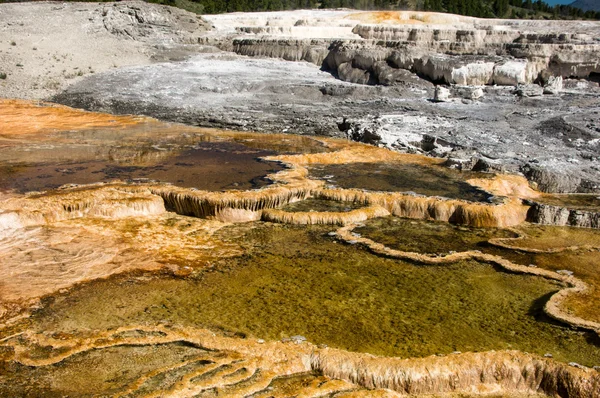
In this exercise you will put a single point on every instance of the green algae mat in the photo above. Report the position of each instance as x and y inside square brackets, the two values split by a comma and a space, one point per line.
[300, 281]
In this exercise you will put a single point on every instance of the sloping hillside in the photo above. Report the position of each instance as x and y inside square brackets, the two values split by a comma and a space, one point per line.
[587, 5]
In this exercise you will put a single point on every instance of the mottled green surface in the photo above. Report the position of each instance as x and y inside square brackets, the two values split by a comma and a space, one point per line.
[402, 177]
[99, 372]
[313, 204]
[590, 202]
[297, 280]
[428, 237]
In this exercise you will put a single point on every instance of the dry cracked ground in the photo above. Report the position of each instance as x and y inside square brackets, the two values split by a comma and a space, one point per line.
[411, 235]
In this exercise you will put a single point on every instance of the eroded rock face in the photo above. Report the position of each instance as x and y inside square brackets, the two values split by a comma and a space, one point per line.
[309, 50]
[556, 215]
[466, 51]
[152, 23]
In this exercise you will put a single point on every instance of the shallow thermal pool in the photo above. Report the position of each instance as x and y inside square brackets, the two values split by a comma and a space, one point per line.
[211, 166]
[298, 280]
[316, 204]
[398, 177]
[253, 282]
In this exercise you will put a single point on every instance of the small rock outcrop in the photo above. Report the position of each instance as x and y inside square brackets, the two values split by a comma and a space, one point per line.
[554, 85]
[152, 23]
[529, 90]
[556, 215]
[441, 94]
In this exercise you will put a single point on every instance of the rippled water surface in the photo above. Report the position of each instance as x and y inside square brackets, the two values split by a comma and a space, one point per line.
[209, 166]
[298, 280]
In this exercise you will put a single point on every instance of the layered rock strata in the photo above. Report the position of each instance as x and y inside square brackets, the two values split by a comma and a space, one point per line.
[557, 215]
[439, 47]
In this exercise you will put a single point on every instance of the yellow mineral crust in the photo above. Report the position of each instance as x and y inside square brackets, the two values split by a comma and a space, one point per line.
[239, 367]
[408, 18]
[506, 185]
[27, 117]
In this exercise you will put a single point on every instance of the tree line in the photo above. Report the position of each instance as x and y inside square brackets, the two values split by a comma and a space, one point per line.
[517, 9]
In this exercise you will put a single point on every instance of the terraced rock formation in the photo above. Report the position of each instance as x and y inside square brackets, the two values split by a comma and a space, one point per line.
[520, 97]
[184, 261]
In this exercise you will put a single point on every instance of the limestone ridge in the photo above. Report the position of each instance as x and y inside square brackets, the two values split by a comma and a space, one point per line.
[556, 215]
[441, 48]
[243, 367]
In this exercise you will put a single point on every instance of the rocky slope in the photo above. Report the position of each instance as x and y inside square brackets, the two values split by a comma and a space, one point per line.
[47, 46]
[367, 76]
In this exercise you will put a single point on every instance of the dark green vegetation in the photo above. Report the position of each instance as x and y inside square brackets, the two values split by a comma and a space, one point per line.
[515, 9]
[518, 9]
[297, 280]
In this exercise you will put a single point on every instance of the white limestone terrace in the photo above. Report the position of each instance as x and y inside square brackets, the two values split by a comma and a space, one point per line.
[352, 24]
[376, 47]
[299, 24]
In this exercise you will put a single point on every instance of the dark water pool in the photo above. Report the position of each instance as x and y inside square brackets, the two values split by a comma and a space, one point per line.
[210, 166]
[398, 177]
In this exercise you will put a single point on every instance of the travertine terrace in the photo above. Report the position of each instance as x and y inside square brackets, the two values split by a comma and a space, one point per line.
[79, 234]
[413, 233]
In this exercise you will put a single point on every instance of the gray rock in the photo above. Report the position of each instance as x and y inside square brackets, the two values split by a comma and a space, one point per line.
[152, 23]
[529, 90]
[548, 180]
[564, 272]
[298, 339]
[576, 365]
[441, 94]
[468, 92]
[555, 215]
[554, 85]
[348, 73]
